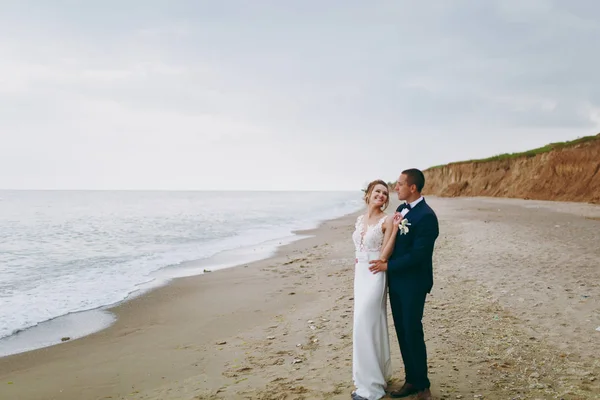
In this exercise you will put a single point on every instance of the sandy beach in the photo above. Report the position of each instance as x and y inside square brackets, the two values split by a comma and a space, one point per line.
[514, 314]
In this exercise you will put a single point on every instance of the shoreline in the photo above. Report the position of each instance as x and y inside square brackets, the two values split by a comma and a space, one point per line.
[496, 322]
[126, 318]
[79, 324]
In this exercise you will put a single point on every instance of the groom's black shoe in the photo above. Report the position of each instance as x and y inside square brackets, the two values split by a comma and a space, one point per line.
[404, 391]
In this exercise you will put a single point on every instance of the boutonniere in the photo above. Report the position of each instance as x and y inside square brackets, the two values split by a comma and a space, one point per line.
[403, 227]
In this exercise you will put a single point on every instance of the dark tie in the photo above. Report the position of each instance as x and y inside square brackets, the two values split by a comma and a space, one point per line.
[408, 207]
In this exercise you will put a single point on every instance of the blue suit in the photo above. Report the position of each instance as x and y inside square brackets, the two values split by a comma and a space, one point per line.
[410, 279]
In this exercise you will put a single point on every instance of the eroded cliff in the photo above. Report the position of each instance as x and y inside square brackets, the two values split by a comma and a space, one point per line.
[563, 172]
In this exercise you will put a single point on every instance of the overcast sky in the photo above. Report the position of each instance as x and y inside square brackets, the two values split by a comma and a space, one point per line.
[284, 94]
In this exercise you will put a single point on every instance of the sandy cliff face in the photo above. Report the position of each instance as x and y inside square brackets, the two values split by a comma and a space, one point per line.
[570, 173]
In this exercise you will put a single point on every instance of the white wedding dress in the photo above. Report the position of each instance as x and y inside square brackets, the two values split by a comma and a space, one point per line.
[371, 361]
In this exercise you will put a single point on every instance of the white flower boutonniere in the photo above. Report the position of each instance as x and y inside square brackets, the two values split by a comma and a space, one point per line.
[403, 227]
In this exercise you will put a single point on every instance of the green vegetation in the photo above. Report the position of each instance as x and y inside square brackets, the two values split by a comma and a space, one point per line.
[528, 153]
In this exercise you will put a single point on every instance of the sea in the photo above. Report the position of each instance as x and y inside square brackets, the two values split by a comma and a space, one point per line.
[67, 256]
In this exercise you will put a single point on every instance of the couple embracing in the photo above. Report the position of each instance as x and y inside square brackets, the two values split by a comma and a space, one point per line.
[393, 254]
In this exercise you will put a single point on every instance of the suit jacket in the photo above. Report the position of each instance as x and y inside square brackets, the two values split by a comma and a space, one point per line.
[411, 265]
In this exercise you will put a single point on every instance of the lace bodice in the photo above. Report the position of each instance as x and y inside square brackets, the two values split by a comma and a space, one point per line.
[369, 238]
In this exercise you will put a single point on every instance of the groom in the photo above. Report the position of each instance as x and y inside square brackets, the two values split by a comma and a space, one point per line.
[410, 279]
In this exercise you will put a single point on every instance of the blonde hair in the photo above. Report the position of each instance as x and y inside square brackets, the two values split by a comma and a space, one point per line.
[370, 188]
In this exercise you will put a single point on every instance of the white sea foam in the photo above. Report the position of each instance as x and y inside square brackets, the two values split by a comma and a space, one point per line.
[66, 252]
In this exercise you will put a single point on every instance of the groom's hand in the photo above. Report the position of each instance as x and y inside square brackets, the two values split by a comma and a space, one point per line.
[378, 266]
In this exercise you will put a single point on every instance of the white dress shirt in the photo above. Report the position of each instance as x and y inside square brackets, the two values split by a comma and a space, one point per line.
[412, 205]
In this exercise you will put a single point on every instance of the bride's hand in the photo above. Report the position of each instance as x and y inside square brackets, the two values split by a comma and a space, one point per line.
[397, 219]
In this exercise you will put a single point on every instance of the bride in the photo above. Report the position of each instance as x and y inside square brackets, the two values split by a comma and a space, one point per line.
[374, 237]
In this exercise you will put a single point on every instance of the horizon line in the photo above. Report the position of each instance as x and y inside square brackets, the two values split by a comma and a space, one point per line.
[178, 190]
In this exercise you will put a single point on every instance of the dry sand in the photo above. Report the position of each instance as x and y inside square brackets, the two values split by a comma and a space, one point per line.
[513, 315]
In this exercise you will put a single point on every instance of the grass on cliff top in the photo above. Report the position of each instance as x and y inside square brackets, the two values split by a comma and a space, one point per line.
[528, 153]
